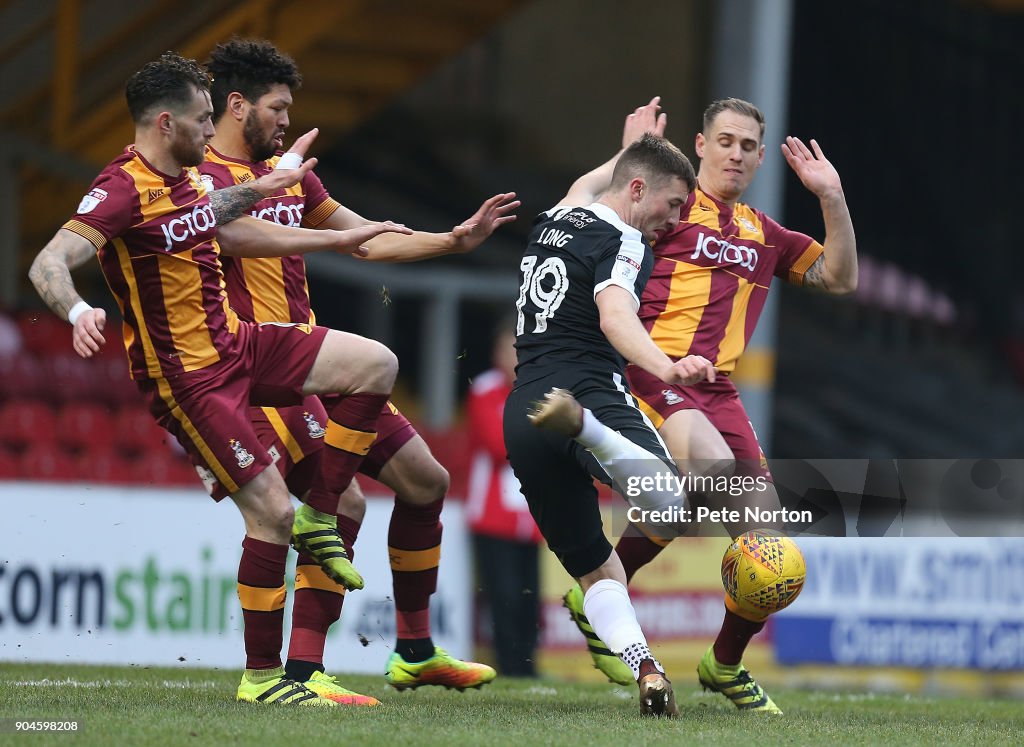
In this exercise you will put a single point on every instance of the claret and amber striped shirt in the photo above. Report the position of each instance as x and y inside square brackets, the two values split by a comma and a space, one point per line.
[155, 238]
[270, 289]
[711, 278]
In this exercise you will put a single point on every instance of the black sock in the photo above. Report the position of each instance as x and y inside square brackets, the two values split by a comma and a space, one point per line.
[301, 671]
[415, 650]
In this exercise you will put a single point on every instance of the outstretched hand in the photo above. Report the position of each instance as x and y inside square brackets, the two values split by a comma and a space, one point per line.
[87, 334]
[350, 241]
[646, 118]
[815, 171]
[282, 178]
[495, 212]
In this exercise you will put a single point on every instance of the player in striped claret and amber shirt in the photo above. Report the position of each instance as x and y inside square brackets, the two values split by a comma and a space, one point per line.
[252, 93]
[709, 284]
[157, 232]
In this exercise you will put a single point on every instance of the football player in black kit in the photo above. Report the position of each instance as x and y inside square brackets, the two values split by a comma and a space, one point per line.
[584, 270]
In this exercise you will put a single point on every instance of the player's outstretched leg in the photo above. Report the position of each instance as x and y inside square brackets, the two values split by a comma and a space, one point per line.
[271, 686]
[353, 376]
[440, 669]
[610, 665]
[735, 683]
[316, 534]
[620, 457]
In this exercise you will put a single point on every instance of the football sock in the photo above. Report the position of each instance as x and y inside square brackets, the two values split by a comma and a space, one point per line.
[301, 671]
[611, 615]
[262, 675]
[261, 592]
[351, 430]
[625, 462]
[734, 637]
[316, 606]
[414, 547]
[640, 659]
[415, 650]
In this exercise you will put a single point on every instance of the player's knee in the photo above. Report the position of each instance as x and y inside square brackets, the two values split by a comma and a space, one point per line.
[379, 368]
[276, 511]
[280, 516]
[436, 481]
[429, 486]
[371, 367]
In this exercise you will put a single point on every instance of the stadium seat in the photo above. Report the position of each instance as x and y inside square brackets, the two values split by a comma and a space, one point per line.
[21, 376]
[135, 432]
[27, 422]
[44, 333]
[165, 468]
[69, 376]
[9, 469]
[85, 426]
[105, 467]
[11, 342]
[46, 461]
[111, 382]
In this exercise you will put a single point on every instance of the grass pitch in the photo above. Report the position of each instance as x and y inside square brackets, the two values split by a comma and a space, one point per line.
[168, 707]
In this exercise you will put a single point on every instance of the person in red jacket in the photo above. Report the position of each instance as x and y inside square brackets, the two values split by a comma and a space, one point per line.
[505, 536]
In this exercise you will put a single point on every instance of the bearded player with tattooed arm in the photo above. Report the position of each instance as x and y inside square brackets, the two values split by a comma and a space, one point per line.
[155, 229]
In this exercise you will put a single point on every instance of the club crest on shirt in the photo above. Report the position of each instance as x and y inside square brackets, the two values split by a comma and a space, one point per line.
[207, 181]
[746, 223]
[315, 429]
[671, 398]
[91, 200]
[244, 458]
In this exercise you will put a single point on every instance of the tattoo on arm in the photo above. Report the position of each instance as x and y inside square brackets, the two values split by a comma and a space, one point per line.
[231, 202]
[815, 275]
[51, 272]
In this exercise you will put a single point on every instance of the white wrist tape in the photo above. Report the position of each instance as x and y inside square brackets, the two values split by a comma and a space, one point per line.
[77, 310]
[289, 161]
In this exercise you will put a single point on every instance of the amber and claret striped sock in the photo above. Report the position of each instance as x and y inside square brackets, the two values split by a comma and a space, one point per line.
[261, 592]
[317, 606]
[414, 547]
[351, 430]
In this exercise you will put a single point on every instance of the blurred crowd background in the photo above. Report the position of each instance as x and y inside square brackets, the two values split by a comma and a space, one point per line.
[426, 108]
